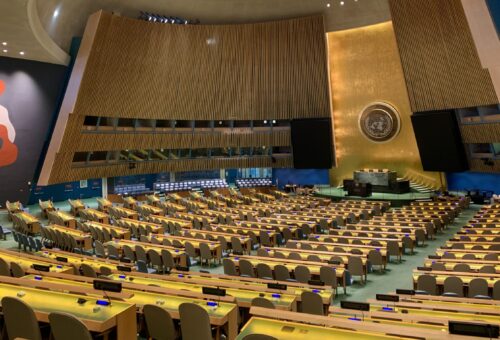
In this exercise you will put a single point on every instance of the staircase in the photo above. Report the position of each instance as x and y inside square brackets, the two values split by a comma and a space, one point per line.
[421, 188]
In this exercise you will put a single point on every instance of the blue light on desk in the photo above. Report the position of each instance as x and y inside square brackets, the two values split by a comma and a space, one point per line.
[122, 276]
[407, 235]
[180, 275]
[377, 249]
[59, 266]
[236, 258]
[316, 291]
[276, 296]
[387, 309]
[102, 303]
[317, 236]
[211, 303]
[177, 250]
[37, 277]
[355, 319]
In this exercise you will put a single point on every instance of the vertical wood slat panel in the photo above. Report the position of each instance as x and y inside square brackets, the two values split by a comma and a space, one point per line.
[137, 69]
[441, 65]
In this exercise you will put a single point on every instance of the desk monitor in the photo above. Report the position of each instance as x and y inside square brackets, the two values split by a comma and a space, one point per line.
[109, 286]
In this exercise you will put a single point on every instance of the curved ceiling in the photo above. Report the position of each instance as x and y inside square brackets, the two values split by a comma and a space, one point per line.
[43, 29]
[64, 19]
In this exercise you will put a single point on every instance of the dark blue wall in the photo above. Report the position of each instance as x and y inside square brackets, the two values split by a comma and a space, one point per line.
[494, 6]
[61, 192]
[300, 176]
[473, 180]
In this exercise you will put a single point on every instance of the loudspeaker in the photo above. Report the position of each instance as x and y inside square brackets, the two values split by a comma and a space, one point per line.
[439, 141]
[312, 143]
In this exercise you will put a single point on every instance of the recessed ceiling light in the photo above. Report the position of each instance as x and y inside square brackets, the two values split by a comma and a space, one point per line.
[21, 53]
[4, 43]
[5, 51]
[341, 3]
[328, 5]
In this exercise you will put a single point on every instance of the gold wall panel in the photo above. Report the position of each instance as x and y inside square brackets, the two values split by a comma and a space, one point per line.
[128, 68]
[481, 133]
[440, 61]
[365, 68]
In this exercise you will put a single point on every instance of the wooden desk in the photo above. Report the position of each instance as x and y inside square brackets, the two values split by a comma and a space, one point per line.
[97, 215]
[129, 202]
[146, 210]
[103, 204]
[182, 223]
[62, 218]
[239, 231]
[45, 207]
[122, 233]
[128, 223]
[215, 247]
[76, 206]
[29, 222]
[246, 241]
[76, 260]
[465, 276]
[119, 315]
[27, 261]
[459, 253]
[475, 265]
[83, 240]
[179, 255]
[121, 212]
[314, 267]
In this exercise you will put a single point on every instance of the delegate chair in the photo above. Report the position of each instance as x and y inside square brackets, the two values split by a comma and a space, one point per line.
[262, 302]
[25, 327]
[426, 284]
[311, 303]
[66, 326]
[229, 267]
[195, 323]
[159, 323]
[453, 286]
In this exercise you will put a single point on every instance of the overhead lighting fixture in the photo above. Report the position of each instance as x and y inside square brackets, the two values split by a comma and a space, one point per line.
[5, 51]
[4, 43]
[328, 5]
[21, 53]
[56, 13]
[265, 122]
[274, 121]
[341, 3]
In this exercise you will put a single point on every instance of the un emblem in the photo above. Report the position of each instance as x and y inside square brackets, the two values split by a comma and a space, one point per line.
[379, 122]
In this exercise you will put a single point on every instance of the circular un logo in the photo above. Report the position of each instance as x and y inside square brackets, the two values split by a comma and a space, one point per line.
[379, 122]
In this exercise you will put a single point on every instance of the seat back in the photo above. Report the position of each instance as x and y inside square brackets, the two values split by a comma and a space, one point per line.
[311, 303]
[262, 302]
[478, 288]
[427, 283]
[20, 320]
[4, 268]
[195, 323]
[87, 270]
[17, 270]
[159, 323]
[302, 274]
[246, 268]
[66, 326]
[454, 285]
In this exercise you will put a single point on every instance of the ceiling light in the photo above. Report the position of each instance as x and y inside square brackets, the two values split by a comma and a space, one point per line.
[274, 121]
[328, 5]
[5, 51]
[265, 122]
[56, 13]
[21, 53]
[341, 3]
[4, 43]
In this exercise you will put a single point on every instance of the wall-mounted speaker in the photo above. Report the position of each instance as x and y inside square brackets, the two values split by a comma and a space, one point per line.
[439, 141]
[312, 143]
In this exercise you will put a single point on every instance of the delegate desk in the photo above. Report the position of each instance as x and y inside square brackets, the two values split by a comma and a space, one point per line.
[30, 223]
[62, 218]
[294, 229]
[246, 241]
[475, 265]
[466, 277]
[130, 224]
[470, 244]
[314, 267]
[82, 239]
[121, 212]
[238, 231]
[459, 253]
[215, 246]
[470, 230]
[129, 202]
[391, 229]
[46, 207]
[96, 215]
[181, 223]
[76, 260]
[179, 255]
[115, 231]
[119, 315]
[76, 206]
[172, 207]
[363, 240]
[146, 210]
[224, 314]
[192, 217]
[324, 256]
[103, 204]
[27, 261]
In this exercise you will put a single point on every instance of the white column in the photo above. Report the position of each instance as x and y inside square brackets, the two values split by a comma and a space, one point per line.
[105, 187]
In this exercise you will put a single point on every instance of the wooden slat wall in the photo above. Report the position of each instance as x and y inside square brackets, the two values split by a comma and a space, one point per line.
[440, 62]
[137, 69]
[478, 165]
[481, 133]
[273, 70]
